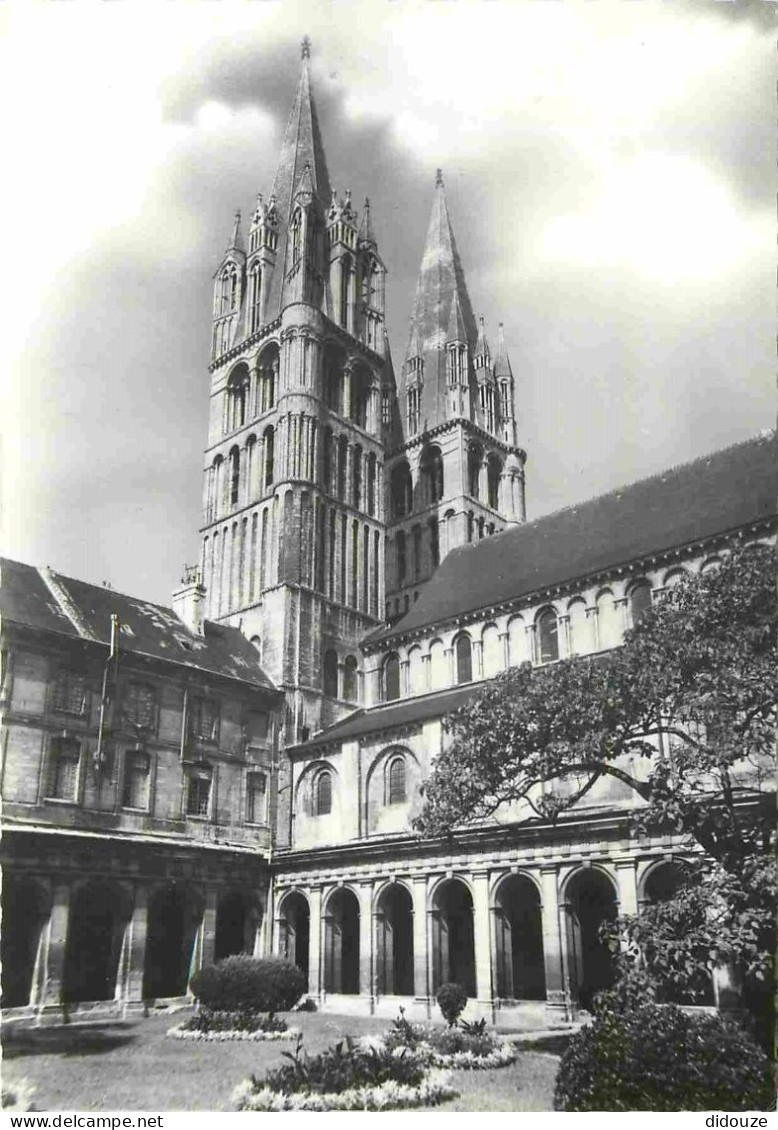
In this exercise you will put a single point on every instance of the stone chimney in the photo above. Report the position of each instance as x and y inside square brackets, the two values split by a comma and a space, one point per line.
[189, 600]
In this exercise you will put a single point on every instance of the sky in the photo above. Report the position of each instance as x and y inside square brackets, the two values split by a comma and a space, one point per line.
[609, 174]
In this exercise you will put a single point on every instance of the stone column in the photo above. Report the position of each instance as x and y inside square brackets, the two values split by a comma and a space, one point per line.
[553, 923]
[405, 687]
[627, 886]
[421, 987]
[482, 936]
[449, 653]
[135, 947]
[505, 645]
[53, 950]
[314, 943]
[366, 933]
[565, 641]
[206, 935]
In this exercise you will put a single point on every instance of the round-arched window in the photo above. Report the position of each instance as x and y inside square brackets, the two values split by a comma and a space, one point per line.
[392, 678]
[396, 781]
[464, 656]
[639, 600]
[322, 793]
[548, 636]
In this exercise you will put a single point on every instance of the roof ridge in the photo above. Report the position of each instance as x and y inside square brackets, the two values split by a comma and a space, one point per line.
[761, 437]
[53, 582]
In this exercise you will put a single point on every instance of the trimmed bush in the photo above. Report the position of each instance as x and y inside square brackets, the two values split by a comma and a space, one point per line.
[207, 1020]
[660, 1058]
[451, 999]
[249, 984]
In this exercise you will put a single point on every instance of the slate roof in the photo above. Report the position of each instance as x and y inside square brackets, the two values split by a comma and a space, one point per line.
[390, 715]
[48, 601]
[715, 494]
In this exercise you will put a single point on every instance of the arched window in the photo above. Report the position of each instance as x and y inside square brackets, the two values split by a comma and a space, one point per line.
[639, 600]
[345, 289]
[392, 678]
[416, 535]
[297, 225]
[464, 657]
[326, 459]
[237, 399]
[494, 472]
[269, 438]
[432, 474]
[402, 558]
[233, 290]
[322, 793]
[215, 497]
[255, 292]
[370, 485]
[474, 458]
[360, 395]
[333, 367]
[395, 781]
[434, 543]
[356, 477]
[401, 490]
[331, 673]
[267, 369]
[256, 643]
[342, 463]
[234, 476]
[548, 636]
[350, 690]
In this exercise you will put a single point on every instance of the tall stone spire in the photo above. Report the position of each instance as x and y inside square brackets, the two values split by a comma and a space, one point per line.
[302, 146]
[441, 308]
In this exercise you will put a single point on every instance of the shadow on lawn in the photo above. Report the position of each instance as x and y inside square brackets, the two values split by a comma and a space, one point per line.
[553, 1044]
[65, 1040]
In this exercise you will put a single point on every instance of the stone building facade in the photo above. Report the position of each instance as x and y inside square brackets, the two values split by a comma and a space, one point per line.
[137, 794]
[366, 564]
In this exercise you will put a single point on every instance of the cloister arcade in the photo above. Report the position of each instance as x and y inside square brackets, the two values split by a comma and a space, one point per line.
[512, 937]
[108, 941]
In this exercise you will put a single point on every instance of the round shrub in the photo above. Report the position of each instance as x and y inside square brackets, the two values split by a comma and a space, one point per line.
[451, 999]
[660, 1058]
[249, 984]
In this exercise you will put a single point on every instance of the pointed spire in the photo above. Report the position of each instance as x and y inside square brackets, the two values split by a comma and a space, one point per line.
[236, 239]
[441, 285]
[366, 226]
[481, 345]
[502, 366]
[302, 145]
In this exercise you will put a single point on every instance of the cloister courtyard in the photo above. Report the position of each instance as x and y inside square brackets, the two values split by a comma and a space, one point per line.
[132, 1065]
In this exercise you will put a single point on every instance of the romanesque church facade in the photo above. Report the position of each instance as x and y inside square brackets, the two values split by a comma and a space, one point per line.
[366, 562]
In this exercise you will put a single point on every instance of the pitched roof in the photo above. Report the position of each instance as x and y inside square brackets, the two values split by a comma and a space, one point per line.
[715, 494]
[302, 145]
[441, 287]
[48, 601]
[391, 715]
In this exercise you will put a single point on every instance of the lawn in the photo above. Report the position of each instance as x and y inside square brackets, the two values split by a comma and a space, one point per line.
[132, 1066]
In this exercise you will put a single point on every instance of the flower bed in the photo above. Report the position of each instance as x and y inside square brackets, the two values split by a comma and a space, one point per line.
[181, 1032]
[364, 1075]
[470, 1047]
[434, 1088]
[209, 1024]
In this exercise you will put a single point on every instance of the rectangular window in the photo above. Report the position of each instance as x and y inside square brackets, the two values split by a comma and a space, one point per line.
[63, 769]
[386, 408]
[198, 794]
[140, 706]
[137, 774]
[204, 720]
[256, 791]
[69, 693]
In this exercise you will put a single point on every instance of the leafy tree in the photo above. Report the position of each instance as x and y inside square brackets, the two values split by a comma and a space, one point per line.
[683, 715]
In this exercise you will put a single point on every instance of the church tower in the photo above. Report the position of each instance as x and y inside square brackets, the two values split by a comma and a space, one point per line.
[302, 392]
[456, 475]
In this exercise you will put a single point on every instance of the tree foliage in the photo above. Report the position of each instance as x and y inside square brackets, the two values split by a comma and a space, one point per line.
[683, 715]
